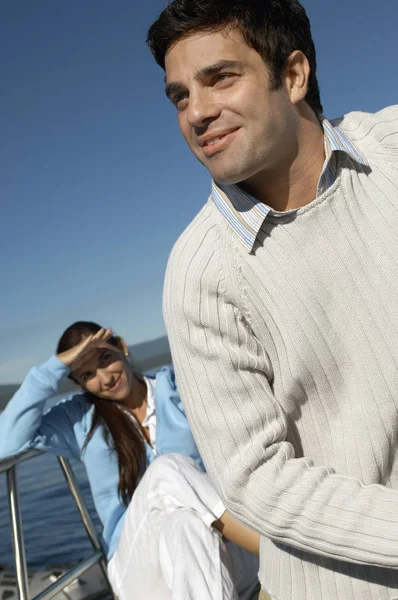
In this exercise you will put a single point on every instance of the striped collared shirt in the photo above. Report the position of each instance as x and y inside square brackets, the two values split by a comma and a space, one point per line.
[246, 215]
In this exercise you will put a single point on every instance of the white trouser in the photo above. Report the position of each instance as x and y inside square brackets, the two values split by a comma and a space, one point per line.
[168, 549]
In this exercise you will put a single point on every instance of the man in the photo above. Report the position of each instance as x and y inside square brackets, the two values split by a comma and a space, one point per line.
[281, 298]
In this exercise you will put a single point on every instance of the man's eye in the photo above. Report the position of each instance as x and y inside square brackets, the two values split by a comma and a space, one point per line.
[223, 76]
[179, 98]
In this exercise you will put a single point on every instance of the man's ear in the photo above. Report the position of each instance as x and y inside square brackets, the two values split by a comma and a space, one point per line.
[297, 75]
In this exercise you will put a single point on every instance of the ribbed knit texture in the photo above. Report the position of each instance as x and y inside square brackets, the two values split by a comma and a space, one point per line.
[287, 362]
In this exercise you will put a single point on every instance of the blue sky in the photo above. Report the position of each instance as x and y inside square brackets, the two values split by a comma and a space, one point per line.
[96, 182]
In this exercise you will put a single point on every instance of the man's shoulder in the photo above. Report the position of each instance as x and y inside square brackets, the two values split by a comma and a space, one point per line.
[201, 234]
[196, 262]
[371, 128]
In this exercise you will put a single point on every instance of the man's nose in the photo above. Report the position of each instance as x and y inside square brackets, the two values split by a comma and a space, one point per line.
[202, 108]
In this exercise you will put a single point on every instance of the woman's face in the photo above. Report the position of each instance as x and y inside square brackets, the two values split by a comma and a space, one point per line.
[106, 374]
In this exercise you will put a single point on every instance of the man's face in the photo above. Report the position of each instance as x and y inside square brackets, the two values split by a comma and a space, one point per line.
[232, 120]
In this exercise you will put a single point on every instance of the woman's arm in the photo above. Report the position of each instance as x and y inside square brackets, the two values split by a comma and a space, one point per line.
[23, 423]
[238, 533]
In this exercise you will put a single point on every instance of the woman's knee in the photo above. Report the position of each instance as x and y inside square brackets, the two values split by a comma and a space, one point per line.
[161, 475]
[166, 466]
[175, 462]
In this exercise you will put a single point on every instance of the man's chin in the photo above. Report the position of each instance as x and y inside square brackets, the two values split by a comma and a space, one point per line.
[227, 174]
[227, 178]
[217, 173]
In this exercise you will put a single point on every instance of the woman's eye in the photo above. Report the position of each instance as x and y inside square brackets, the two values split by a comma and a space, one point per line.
[105, 356]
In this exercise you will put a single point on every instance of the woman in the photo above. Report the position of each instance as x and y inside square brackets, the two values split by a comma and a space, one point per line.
[166, 531]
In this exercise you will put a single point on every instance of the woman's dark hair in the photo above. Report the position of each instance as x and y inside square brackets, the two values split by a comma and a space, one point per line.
[274, 28]
[121, 433]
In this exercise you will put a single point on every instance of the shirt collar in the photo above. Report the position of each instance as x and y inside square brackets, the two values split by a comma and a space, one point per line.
[245, 215]
[151, 400]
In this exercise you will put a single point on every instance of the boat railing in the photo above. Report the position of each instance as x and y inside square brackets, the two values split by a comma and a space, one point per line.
[10, 466]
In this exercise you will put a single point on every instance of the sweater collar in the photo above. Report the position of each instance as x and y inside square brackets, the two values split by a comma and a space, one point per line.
[245, 215]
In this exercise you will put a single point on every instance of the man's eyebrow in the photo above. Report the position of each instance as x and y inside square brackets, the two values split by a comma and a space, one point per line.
[175, 86]
[216, 67]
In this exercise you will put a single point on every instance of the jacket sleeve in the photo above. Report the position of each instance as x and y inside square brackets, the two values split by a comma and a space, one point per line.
[25, 424]
[223, 375]
[173, 434]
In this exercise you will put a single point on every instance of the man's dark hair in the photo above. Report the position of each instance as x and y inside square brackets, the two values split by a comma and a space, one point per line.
[274, 28]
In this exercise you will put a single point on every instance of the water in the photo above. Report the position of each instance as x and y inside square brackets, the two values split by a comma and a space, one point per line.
[53, 530]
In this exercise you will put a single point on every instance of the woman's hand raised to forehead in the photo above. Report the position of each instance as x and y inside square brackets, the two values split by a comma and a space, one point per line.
[76, 356]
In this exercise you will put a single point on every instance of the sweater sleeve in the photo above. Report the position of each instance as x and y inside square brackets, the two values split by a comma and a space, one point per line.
[25, 424]
[224, 379]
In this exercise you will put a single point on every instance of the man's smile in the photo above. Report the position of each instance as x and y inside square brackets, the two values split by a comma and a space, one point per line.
[216, 141]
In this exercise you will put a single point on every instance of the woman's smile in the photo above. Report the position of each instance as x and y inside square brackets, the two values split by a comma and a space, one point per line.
[116, 385]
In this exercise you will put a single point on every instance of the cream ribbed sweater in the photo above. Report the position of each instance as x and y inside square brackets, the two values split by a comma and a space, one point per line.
[287, 362]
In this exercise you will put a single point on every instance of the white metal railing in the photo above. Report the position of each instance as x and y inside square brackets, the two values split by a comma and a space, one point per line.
[9, 466]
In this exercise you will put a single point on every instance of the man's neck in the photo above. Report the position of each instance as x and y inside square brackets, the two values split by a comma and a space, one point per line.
[294, 184]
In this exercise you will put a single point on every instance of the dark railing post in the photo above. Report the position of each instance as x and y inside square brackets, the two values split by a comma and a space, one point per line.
[17, 534]
[84, 514]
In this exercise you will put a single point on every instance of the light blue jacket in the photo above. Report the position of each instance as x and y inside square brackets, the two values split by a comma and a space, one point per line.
[63, 429]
